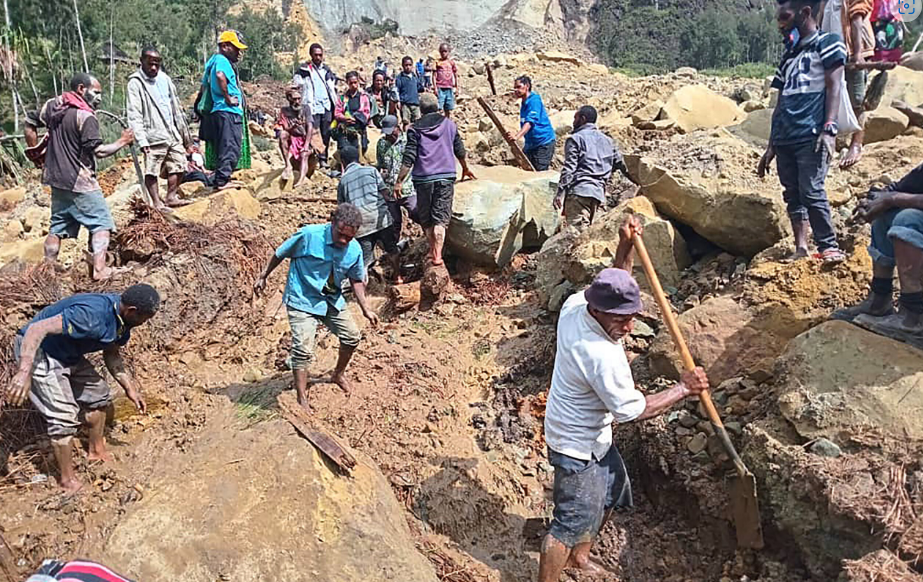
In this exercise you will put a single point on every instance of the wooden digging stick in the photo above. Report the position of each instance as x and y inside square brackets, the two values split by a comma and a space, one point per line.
[520, 156]
[490, 79]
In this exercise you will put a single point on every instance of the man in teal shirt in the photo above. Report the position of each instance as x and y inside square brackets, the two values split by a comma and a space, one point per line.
[226, 122]
[322, 257]
[535, 126]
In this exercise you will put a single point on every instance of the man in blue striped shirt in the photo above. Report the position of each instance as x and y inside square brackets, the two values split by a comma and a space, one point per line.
[804, 127]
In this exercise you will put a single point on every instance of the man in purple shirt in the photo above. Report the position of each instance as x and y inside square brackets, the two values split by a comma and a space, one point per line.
[433, 145]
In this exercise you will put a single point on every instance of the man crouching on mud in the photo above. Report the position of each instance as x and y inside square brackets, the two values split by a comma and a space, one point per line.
[591, 387]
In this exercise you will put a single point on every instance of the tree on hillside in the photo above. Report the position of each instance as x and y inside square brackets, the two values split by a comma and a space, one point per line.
[266, 34]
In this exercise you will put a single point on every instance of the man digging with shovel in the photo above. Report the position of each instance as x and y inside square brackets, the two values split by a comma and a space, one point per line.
[591, 387]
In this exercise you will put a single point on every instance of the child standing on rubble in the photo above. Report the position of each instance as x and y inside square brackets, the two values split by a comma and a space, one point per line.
[804, 125]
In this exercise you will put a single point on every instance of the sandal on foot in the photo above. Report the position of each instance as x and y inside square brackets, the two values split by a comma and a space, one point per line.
[831, 256]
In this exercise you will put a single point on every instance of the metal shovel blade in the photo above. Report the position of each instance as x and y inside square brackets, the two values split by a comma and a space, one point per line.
[746, 510]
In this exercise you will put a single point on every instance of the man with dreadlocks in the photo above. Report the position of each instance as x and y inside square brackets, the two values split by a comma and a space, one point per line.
[51, 351]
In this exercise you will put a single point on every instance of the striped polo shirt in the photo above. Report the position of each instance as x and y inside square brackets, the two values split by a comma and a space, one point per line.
[801, 111]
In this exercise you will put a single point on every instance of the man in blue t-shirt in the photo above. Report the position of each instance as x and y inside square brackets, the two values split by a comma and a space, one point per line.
[804, 124]
[51, 351]
[535, 126]
[323, 257]
[226, 123]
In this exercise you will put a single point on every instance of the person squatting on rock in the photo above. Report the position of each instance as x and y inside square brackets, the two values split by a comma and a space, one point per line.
[534, 125]
[322, 257]
[589, 158]
[850, 20]
[363, 187]
[591, 387]
[156, 117]
[73, 144]
[54, 372]
[295, 136]
[318, 95]
[896, 216]
[804, 124]
[353, 114]
[433, 145]
[223, 128]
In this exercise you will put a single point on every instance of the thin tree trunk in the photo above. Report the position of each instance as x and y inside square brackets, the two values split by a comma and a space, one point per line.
[111, 58]
[83, 49]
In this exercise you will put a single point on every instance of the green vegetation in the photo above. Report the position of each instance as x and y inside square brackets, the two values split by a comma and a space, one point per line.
[41, 48]
[648, 36]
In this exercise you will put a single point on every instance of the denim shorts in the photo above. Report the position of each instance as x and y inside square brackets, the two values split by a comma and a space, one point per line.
[70, 210]
[583, 492]
[447, 99]
[541, 157]
[903, 224]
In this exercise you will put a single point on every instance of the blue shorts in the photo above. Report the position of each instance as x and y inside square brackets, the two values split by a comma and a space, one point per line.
[447, 99]
[583, 492]
[71, 210]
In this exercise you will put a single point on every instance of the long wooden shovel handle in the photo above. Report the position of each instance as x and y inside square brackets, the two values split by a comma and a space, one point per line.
[667, 310]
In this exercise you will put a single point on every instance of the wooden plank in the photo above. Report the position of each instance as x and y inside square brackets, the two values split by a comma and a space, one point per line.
[490, 78]
[520, 156]
[304, 424]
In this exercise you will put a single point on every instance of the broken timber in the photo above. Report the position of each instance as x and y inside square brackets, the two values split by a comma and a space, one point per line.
[490, 79]
[301, 420]
[520, 156]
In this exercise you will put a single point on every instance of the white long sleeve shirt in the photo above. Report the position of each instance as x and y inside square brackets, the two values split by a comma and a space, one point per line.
[591, 386]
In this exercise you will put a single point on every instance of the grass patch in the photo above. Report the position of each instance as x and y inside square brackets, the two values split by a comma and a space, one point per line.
[256, 405]
[744, 70]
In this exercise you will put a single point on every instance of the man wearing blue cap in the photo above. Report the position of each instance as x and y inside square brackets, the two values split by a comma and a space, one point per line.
[591, 387]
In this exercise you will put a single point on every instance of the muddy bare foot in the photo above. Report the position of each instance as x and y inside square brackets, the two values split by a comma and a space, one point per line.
[71, 486]
[177, 202]
[101, 455]
[109, 272]
[341, 381]
[589, 569]
[853, 155]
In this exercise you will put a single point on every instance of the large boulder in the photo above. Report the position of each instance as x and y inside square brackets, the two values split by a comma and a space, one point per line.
[216, 207]
[708, 183]
[840, 380]
[505, 210]
[755, 129]
[562, 121]
[570, 260]
[595, 247]
[724, 337]
[558, 57]
[885, 123]
[697, 107]
[904, 85]
[262, 504]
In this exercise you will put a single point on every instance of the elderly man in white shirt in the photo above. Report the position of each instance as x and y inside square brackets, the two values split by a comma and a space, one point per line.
[591, 387]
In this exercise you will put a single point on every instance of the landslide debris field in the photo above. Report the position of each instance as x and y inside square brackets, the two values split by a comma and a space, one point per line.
[445, 418]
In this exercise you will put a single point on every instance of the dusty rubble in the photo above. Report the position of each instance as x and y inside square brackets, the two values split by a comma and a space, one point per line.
[447, 412]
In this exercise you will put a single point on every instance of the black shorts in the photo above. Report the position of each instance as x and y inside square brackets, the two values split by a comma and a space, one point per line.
[541, 156]
[386, 238]
[434, 202]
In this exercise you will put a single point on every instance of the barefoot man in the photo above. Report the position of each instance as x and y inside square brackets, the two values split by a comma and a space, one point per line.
[322, 257]
[591, 387]
[51, 351]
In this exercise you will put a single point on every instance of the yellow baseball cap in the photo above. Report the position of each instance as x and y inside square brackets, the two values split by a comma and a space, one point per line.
[232, 37]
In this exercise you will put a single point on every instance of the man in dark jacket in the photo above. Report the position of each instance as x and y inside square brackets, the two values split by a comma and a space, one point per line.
[433, 144]
[73, 145]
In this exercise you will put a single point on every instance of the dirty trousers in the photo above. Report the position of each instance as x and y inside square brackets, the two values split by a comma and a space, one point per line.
[304, 333]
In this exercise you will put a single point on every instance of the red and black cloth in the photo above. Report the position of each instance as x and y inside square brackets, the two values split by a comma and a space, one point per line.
[76, 571]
